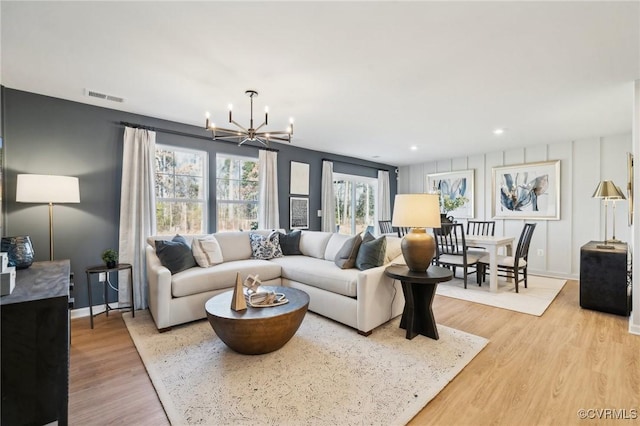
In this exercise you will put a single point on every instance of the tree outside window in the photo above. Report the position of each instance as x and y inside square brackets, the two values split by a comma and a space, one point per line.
[181, 195]
[355, 201]
[236, 193]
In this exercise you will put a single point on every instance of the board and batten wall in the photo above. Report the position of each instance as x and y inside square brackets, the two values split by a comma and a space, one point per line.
[583, 164]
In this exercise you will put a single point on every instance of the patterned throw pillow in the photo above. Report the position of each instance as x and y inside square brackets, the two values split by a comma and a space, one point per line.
[265, 247]
[207, 251]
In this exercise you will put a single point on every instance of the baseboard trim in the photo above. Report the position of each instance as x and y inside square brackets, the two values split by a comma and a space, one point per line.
[84, 312]
[633, 328]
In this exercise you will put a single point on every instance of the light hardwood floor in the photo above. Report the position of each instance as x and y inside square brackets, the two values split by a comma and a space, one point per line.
[534, 371]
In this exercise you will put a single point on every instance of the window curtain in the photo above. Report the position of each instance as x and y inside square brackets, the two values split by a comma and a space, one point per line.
[384, 196]
[137, 211]
[328, 198]
[268, 212]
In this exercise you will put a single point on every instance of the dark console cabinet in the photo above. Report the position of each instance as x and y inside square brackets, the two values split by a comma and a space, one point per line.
[603, 278]
[35, 346]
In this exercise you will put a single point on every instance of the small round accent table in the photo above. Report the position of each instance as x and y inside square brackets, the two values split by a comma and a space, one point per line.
[256, 331]
[419, 289]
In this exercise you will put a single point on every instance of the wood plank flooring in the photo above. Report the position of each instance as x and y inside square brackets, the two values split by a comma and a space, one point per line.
[535, 370]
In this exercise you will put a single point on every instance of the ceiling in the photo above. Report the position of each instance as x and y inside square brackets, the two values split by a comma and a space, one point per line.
[363, 79]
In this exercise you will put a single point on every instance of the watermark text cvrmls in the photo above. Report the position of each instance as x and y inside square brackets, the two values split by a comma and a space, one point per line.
[608, 413]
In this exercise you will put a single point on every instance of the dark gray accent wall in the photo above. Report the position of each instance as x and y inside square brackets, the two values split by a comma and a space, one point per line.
[46, 135]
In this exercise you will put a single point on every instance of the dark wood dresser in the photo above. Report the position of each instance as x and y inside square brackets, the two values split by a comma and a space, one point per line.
[35, 346]
[603, 278]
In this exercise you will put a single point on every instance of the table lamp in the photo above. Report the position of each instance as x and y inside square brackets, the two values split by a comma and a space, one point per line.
[607, 190]
[417, 211]
[47, 189]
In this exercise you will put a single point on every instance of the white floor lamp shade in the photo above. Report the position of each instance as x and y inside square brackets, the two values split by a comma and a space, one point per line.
[47, 189]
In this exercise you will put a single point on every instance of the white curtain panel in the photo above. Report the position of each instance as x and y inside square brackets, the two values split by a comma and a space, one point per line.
[137, 211]
[328, 198]
[268, 212]
[384, 196]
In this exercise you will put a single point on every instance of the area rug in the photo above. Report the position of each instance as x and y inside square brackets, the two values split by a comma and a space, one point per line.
[327, 374]
[533, 300]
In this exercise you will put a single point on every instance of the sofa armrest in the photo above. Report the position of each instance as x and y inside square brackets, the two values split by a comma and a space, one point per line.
[379, 297]
[159, 279]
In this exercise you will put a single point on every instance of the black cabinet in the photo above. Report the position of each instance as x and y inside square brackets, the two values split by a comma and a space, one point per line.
[603, 278]
[35, 346]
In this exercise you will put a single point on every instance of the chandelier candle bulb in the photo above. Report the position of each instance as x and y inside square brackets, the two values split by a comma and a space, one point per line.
[230, 109]
[266, 116]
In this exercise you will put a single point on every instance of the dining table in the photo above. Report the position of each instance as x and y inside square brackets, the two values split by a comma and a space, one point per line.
[491, 243]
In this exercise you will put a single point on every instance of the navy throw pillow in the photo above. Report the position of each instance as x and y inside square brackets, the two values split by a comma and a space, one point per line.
[290, 243]
[175, 255]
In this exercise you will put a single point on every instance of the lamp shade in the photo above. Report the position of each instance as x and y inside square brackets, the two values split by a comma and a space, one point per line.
[416, 211]
[608, 190]
[47, 189]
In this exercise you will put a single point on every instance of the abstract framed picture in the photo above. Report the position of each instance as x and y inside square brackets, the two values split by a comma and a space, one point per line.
[454, 186]
[298, 213]
[526, 191]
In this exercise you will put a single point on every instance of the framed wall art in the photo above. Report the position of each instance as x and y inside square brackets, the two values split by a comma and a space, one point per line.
[299, 179]
[298, 213]
[456, 192]
[526, 191]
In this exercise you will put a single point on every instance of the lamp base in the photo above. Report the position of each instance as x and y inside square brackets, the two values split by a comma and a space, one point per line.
[418, 249]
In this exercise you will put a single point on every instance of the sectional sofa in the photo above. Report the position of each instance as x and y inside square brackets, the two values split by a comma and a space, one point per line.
[362, 299]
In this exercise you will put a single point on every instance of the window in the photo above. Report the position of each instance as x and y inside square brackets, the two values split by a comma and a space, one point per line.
[236, 193]
[181, 194]
[355, 203]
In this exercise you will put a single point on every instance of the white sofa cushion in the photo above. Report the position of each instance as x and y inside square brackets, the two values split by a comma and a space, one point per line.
[234, 245]
[334, 245]
[199, 280]
[319, 273]
[314, 243]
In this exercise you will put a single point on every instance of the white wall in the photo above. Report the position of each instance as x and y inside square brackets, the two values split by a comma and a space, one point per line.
[634, 321]
[583, 164]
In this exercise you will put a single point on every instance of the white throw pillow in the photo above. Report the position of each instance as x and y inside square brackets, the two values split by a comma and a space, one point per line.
[207, 251]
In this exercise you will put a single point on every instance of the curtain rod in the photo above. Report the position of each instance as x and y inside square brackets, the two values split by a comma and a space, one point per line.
[354, 164]
[189, 135]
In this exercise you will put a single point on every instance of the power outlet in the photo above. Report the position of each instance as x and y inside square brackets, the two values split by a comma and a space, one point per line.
[540, 252]
[102, 277]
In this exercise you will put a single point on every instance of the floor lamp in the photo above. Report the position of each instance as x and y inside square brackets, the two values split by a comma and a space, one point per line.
[48, 189]
[607, 190]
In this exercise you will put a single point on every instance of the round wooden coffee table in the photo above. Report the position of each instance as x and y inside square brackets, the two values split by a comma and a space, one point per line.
[257, 330]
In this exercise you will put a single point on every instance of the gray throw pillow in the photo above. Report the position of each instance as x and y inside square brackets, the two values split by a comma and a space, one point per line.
[290, 243]
[371, 253]
[346, 257]
[175, 255]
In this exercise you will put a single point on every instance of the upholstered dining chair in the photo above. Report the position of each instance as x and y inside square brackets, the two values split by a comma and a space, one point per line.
[385, 226]
[452, 252]
[515, 266]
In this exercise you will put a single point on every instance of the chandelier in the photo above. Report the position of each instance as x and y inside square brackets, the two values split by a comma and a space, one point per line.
[242, 134]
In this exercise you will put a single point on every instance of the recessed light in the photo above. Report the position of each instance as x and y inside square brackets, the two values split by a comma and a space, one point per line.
[498, 131]
[413, 148]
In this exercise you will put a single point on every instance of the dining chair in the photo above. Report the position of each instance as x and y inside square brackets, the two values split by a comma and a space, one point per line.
[515, 266]
[481, 227]
[385, 226]
[451, 250]
[403, 230]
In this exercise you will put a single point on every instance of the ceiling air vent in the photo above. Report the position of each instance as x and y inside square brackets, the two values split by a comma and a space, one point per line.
[99, 95]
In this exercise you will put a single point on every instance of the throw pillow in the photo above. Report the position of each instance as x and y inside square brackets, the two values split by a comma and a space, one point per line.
[265, 247]
[175, 255]
[346, 257]
[367, 237]
[371, 253]
[290, 243]
[207, 251]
